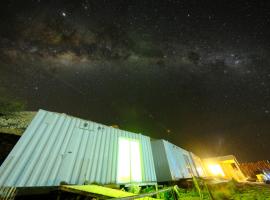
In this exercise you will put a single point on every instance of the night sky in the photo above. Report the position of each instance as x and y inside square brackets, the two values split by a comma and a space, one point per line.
[196, 73]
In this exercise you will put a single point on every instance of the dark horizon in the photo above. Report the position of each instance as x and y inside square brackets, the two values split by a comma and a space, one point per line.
[194, 73]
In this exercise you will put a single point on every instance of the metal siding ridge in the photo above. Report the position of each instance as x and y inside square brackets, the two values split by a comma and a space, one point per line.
[89, 154]
[140, 140]
[17, 151]
[71, 154]
[79, 158]
[102, 171]
[57, 155]
[143, 170]
[146, 161]
[83, 168]
[106, 179]
[99, 155]
[56, 176]
[111, 154]
[76, 158]
[31, 150]
[108, 157]
[115, 157]
[105, 161]
[101, 164]
[96, 151]
[45, 165]
[33, 173]
[105, 175]
[168, 155]
[153, 171]
[30, 155]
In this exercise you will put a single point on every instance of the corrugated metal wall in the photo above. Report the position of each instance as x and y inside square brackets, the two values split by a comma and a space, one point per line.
[161, 162]
[199, 165]
[171, 161]
[176, 157]
[57, 147]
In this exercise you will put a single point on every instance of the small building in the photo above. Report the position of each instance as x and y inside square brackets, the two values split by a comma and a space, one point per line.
[226, 167]
[59, 148]
[253, 169]
[173, 163]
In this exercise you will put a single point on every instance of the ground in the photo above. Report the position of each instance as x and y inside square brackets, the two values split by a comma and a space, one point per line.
[231, 190]
[242, 191]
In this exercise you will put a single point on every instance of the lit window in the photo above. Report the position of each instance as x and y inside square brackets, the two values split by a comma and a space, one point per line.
[129, 161]
[216, 170]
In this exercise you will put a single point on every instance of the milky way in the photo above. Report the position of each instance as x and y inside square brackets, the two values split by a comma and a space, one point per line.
[196, 74]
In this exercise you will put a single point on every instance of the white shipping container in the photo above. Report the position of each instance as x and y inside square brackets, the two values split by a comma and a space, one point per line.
[60, 148]
[172, 163]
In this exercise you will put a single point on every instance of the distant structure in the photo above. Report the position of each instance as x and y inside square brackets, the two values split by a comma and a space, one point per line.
[173, 163]
[251, 169]
[226, 167]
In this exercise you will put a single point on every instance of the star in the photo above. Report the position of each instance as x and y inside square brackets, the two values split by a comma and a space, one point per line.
[196, 69]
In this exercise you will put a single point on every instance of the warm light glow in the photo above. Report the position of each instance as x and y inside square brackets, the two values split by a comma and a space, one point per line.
[136, 172]
[129, 161]
[216, 170]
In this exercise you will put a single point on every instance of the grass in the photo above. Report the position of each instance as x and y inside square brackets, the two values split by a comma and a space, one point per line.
[240, 191]
[220, 191]
[229, 190]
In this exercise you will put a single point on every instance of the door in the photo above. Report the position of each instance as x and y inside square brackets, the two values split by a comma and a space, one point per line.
[129, 161]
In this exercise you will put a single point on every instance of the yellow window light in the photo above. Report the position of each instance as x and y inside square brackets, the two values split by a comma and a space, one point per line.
[216, 170]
